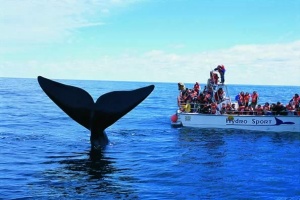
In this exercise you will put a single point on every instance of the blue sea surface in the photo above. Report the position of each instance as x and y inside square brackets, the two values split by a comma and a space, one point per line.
[46, 155]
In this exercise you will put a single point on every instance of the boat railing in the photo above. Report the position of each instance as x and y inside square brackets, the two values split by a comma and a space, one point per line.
[205, 108]
[195, 106]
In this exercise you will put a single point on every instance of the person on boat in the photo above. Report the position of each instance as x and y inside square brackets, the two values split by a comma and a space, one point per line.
[221, 70]
[223, 108]
[295, 101]
[240, 98]
[246, 110]
[272, 106]
[180, 98]
[241, 109]
[254, 99]
[194, 100]
[231, 109]
[219, 95]
[246, 99]
[279, 109]
[189, 95]
[201, 101]
[197, 88]
[228, 108]
[213, 108]
[267, 109]
[205, 89]
[194, 94]
[205, 108]
[184, 96]
[187, 107]
[215, 78]
[208, 93]
[290, 108]
[210, 81]
[181, 87]
[207, 97]
[259, 110]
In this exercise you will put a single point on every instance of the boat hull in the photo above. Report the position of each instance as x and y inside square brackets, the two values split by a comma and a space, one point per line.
[272, 123]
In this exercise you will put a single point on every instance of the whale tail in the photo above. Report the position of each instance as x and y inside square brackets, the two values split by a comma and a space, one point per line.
[79, 104]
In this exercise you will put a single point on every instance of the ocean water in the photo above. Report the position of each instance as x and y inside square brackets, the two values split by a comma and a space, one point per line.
[46, 155]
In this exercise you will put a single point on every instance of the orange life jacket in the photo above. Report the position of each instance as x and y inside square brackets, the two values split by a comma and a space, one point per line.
[296, 101]
[259, 111]
[241, 98]
[246, 98]
[254, 98]
[267, 108]
[289, 107]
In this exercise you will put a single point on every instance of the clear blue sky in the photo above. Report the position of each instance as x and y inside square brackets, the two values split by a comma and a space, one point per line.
[152, 40]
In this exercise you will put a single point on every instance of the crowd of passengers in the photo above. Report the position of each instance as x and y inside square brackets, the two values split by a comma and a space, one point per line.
[196, 101]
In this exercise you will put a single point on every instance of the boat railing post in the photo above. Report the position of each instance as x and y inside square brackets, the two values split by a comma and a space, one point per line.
[227, 93]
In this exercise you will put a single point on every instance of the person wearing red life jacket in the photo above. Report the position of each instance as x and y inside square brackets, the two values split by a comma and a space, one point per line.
[246, 99]
[221, 70]
[197, 88]
[241, 99]
[267, 109]
[259, 110]
[254, 99]
[289, 107]
[295, 101]
[215, 78]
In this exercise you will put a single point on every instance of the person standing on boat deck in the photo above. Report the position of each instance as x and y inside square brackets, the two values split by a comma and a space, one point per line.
[240, 99]
[197, 88]
[181, 88]
[246, 99]
[215, 78]
[221, 70]
[254, 99]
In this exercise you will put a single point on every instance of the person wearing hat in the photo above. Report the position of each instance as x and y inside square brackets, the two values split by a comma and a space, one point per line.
[221, 70]
[180, 99]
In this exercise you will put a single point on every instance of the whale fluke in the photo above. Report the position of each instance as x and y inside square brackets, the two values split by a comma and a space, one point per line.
[80, 106]
[74, 101]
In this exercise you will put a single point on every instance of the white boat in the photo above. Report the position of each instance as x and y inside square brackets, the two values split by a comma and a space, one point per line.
[245, 122]
[289, 122]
